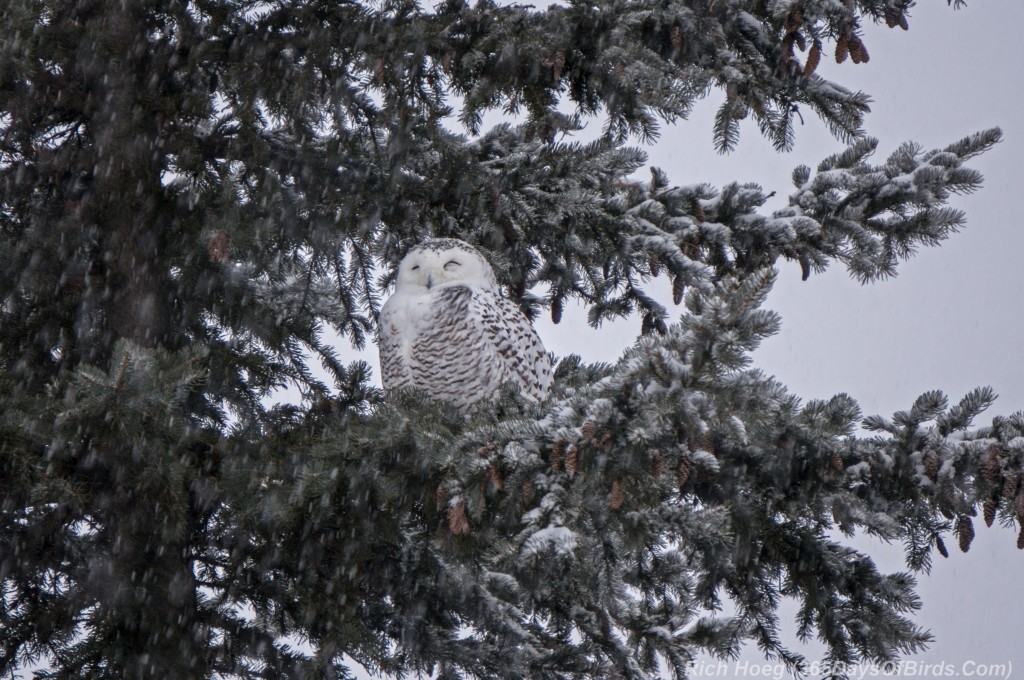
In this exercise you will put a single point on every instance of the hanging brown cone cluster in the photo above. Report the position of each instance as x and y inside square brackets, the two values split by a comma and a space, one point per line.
[931, 465]
[571, 460]
[895, 17]
[940, 545]
[789, 66]
[858, 52]
[1018, 505]
[837, 517]
[588, 430]
[651, 324]
[557, 455]
[684, 470]
[440, 497]
[378, 72]
[1020, 539]
[446, 62]
[849, 44]
[989, 509]
[965, 533]
[458, 523]
[618, 496]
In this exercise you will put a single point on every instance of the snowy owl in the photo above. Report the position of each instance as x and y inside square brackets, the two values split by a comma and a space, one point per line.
[448, 330]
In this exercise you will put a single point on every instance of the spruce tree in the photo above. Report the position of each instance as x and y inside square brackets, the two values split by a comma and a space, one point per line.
[200, 200]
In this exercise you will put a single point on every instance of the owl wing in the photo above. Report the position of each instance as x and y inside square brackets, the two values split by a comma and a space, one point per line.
[477, 341]
[526, 361]
[394, 369]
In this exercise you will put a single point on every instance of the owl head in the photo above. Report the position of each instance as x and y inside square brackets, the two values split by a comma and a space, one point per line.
[444, 262]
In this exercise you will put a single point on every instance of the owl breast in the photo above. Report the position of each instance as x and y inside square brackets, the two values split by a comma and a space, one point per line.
[460, 344]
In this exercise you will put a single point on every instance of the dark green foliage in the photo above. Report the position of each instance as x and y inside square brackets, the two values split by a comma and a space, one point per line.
[198, 199]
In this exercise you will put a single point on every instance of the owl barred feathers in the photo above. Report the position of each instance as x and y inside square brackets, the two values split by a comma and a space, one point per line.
[448, 330]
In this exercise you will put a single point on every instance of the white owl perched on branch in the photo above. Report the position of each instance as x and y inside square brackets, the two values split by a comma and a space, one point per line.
[448, 330]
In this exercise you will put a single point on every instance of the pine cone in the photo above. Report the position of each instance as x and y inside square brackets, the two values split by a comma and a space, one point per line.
[965, 533]
[655, 265]
[620, 69]
[989, 508]
[556, 310]
[446, 62]
[378, 71]
[697, 211]
[677, 38]
[991, 466]
[588, 430]
[441, 496]
[837, 518]
[837, 462]
[1020, 539]
[1009, 490]
[559, 64]
[557, 454]
[618, 497]
[895, 17]
[941, 546]
[1018, 505]
[684, 470]
[842, 48]
[677, 290]
[858, 53]
[931, 465]
[659, 465]
[813, 59]
[497, 479]
[949, 494]
[705, 442]
[647, 325]
[458, 523]
[571, 460]
[527, 490]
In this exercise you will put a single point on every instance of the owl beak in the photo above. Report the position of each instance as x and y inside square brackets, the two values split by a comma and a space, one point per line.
[430, 282]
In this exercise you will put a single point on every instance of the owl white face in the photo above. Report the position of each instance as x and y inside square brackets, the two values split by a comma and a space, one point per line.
[444, 262]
